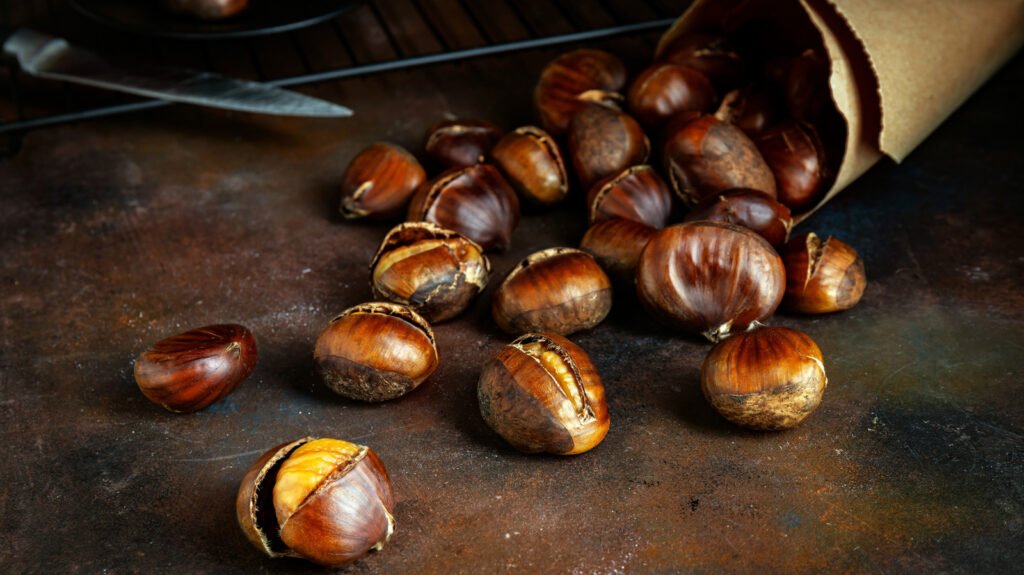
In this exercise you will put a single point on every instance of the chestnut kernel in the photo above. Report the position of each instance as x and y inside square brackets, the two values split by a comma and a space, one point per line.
[192, 370]
[532, 163]
[616, 244]
[770, 378]
[604, 141]
[559, 290]
[748, 208]
[574, 80]
[542, 393]
[461, 143]
[711, 54]
[710, 278]
[637, 193]
[324, 500]
[379, 182]
[796, 156]
[666, 90]
[822, 276]
[435, 271]
[375, 352]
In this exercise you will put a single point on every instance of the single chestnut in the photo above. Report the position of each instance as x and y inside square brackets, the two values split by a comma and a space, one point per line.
[770, 378]
[666, 90]
[191, 370]
[807, 86]
[206, 9]
[752, 109]
[796, 156]
[542, 393]
[461, 143]
[435, 271]
[375, 352]
[379, 182]
[712, 54]
[603, 141]
[531, 161]
[822, 276]
[710, 278]
[475, 201]
[616, 244]
[637, 193]
[324, 500]
[559, 290]
[574, 80]
[748, 208]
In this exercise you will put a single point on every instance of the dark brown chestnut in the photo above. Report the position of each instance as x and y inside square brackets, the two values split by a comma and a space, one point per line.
[822, 276]
[435, 271]
[796, 156]
[190, 371]
[748, 208]
[604, 141]
[637, 193]
[666, 90]
[379, 182]
[752, 109]
[616, 244]
[807, 86]
[572, 81]
[532, 163]
[461, 143]
[710, 278]
[324, 500]
[559, 290]
[206, 9]
[712, 54]
[542, 393]
[475, 201]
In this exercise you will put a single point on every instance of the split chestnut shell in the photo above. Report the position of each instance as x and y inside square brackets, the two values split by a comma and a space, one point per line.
[822, 276]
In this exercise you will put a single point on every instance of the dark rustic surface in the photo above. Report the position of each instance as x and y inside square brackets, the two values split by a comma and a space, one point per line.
[117, 233]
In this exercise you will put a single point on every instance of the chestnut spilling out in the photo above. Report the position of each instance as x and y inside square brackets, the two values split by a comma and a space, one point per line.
[637, 193]
[573, 81]
[461, 143]
[532, 163]
[604, 141]
[822, 276]
[379, 182]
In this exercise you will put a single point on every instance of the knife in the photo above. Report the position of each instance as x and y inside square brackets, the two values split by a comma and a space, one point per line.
[52, 58]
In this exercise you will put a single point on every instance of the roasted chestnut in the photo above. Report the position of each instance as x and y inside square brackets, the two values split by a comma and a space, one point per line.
[769, 378]
[796, 156]
[637, 193]
[752, 109]
[616, 244]
[807, 86]
[461, 143]
[572, 81]
[325, 500]
[375, 352]
[435, 271]
[710, 278]
[666, 90]
[475, 201]
[379, 182]
[604, 141]
[822, 276]
[532, 163]
[748, 208]
[189, 371]
[711, 54]
[206, 9]
[542, 393]
[559, 290]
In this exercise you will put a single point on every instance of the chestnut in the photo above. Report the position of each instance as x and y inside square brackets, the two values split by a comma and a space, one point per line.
[796, 156]
[461, 143]
[572, 81]
[375, 352]
[475, 201]
[559, 290]
[604, 141]
[752, 109]
[712, 54]
[434, 271]
[379, 182]
[770, 378]
[748, 208]
[191, 370]
[807, 86]
[637, 193]
[532, 163]
[710, 278]
[822, 276]
[665, 90]
[542, 393]
[324, 500]
[616, 244]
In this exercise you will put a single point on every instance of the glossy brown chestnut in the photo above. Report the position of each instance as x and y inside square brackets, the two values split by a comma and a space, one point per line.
[710, 278]
[807, 86]
[604, 141]
[748, 208]
[822, 276]
[375, 352]
[574, 80]
[434, 271]
[475, 201]
[752, 109]
[796, 156]
[461, 143]
[616, 244]
[379, 182]
[666, 90]
[770, 378]
[206, 9]
[532, 163]
[325, 500]
[542, 393]
[637, 193]
[711, 54]
[191, 370]
[559, 290]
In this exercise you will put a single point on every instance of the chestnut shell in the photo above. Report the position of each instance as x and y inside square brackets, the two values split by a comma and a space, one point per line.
[573, 81]
[663, 91]
[637, 193]
[531, 161]
[603, 141]
[796, 156]
[616, 244]
[822, 276]
[712, 54]
[379, 181]
[461, 143]
[748, 208]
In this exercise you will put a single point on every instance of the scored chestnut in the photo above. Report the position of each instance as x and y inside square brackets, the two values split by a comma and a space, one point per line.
[574, 80]
[616, 244]
[603, 141]
[375, 352]
[637, 193]
[770, 378]
[542, 393]
[461, 143]
[531, 161]
[748, 208]
[435, 271]
[666, 90]
[379, 182]
[796, 156]
[712, 54]
[559, 290]
[192, 370]
[822, 276]
[324, 500]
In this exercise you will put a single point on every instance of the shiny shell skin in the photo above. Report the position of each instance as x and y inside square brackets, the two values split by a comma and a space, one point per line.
[822, 276]
[770, 378]
[796, 156]
[748, 208]
[375, 352]
[752, 109]
[207, 9]
[666, 90]
[531, 161]
[637, 193]
[712, 54]
[710, 278]
[616, 244]
[542, 393]
[461, 143]
[379, 182]
[603, 141]
[192, 370]
[572, 81]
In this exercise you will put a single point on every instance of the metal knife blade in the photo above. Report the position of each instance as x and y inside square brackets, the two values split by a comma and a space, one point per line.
[53, 58]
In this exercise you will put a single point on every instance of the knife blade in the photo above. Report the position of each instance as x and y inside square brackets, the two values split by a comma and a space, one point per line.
[53, 58]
